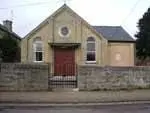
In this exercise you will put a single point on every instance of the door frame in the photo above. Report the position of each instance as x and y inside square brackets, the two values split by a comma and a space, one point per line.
[63, 48]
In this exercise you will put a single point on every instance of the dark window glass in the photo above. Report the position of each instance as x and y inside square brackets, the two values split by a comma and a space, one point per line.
[38, 56]
[90, 56]
[64, 30]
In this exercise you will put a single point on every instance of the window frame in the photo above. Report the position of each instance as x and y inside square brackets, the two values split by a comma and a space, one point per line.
[93, 51]
[35, 51]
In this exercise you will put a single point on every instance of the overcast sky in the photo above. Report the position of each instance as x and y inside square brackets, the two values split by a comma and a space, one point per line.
[27, 14]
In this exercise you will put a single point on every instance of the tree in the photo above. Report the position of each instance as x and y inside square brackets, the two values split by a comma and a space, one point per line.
[9, 48]
[143, 37]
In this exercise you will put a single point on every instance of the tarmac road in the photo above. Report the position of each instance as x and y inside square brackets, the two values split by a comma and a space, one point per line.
[133, 108]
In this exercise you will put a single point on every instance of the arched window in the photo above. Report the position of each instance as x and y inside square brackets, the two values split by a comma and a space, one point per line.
[37, 50]
[91, 50]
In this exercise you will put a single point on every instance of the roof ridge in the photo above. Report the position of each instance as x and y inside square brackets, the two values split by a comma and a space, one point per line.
[105, 26]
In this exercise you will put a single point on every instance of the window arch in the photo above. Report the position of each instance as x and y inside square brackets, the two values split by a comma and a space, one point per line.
[37, 50]
[91, 50]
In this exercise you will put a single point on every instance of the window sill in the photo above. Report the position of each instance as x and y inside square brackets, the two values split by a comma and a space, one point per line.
[38, 61]
[90, 62]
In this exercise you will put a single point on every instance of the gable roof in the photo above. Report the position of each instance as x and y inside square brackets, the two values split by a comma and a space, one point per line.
[3, 28]
[110, 33]
[114, 33]
[63, 7]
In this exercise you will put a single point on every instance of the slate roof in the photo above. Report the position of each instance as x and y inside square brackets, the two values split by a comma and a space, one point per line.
[114, 33]
[3, 28]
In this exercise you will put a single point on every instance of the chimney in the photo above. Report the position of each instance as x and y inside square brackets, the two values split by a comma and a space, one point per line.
[8, 25]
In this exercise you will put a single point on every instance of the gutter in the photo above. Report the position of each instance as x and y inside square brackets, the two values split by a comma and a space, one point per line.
[118, 41]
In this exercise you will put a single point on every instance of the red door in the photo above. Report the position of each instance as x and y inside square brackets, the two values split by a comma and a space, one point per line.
[64, 61]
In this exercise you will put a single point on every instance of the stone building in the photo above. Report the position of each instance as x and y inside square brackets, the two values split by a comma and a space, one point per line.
[65, 40]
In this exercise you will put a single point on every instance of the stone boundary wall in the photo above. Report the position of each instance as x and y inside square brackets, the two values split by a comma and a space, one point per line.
[92, 77]
[23, 77]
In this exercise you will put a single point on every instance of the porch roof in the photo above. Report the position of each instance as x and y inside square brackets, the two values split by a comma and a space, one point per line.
[65, 44]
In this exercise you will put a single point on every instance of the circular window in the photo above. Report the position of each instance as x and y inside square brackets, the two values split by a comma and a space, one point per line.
[64, 31]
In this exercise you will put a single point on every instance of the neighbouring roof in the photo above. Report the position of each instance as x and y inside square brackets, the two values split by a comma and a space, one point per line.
[3, 28]
[114, 33]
